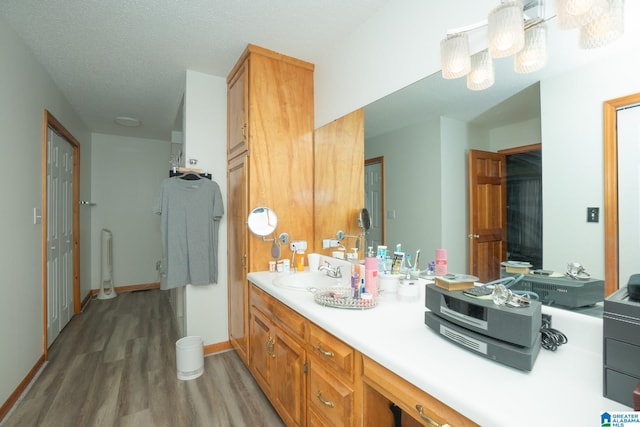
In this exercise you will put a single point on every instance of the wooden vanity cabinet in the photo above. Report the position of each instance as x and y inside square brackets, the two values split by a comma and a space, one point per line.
[237, 111]
[237, 246]
[270, 163]
[278, 355]
[333, 397]
[313, 378]
[382, 387]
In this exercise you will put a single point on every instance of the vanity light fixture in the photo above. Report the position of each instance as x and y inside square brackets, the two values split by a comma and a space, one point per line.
[576, 13]
[533, 55]
[506, 29]
[604, 29]
[454, 56]
[517, 28]
[482, 74]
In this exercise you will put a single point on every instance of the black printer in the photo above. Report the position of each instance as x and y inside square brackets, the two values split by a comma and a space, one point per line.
[621, 346]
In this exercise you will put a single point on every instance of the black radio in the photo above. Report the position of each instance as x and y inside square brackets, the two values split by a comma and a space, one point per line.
[502, 333]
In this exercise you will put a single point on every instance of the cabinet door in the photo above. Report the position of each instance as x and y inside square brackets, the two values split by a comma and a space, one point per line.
[262, 349]
[237, 114]
[289, 381]
[237, 256]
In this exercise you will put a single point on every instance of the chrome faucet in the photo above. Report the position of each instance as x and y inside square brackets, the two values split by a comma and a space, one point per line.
[331, 272]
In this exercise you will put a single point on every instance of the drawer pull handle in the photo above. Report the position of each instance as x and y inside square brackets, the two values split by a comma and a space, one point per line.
[324, 352]
[420, 409]
[270, 342]
[324, 402]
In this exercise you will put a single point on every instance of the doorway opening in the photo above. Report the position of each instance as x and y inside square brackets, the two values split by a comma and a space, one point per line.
[524, 207]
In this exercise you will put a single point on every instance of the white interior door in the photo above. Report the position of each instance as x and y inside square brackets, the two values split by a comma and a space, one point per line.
[59, 234]
[373, 202]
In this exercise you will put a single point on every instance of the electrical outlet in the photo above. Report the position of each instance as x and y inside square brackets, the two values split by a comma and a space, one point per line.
[330, 243]
[298, 245]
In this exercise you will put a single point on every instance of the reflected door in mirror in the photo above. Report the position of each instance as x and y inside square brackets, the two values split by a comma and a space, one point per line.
[487, 214]
[374, 200]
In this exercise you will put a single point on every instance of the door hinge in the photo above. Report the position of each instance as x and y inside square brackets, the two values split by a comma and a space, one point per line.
[305, 367]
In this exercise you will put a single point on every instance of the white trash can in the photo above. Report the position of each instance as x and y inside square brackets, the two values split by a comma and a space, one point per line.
[189, 358]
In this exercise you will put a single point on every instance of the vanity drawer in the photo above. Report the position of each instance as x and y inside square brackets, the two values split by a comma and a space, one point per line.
[329, 398]
[331, 350]
[261, 300]
[289, 320]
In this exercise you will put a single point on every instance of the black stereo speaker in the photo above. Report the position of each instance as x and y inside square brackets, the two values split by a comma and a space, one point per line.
[633, 287]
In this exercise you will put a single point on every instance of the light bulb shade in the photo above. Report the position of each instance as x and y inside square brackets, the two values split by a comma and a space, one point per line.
[576, 13]
[506, 29]
[533, 55]
[454, 56]
[606, 28]
[482, 74]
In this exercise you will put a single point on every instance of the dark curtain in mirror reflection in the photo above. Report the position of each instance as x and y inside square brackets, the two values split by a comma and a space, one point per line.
[524, 207]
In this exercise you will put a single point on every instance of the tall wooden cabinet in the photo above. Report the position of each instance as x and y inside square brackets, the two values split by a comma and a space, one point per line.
[270, 163]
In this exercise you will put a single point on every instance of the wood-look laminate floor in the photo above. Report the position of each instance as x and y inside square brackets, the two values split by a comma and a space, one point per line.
[114, 365]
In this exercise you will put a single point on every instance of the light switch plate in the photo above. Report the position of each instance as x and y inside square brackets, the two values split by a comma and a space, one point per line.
[37, 216]
[593, 214]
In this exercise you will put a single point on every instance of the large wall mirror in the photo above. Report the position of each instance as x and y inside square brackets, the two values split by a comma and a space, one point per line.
[425, 131]
[621, 141]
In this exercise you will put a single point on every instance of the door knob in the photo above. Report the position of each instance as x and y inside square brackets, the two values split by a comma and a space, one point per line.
[473, 236]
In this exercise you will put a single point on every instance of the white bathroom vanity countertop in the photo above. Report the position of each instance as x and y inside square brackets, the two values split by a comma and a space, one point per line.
[564, 387]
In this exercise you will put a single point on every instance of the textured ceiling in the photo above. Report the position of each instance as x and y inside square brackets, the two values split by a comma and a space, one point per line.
[128, 57]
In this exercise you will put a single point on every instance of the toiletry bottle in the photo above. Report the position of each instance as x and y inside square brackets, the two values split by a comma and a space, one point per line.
[382, 254]
[431, 268]
[371, 273]
[441, 262]
[300, 260]
[355, 281]
[398, 262]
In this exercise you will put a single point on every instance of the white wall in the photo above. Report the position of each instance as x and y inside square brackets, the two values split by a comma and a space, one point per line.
[516, 134]
[126, 177]
[572, 158]
[26, 91]
[398, 46]
[412, 189]
[205, 132]
[454, 199]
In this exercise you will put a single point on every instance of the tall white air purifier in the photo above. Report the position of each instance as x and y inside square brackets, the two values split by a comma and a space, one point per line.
[107, 291]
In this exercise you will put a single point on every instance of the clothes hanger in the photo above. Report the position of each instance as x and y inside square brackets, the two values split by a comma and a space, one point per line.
[190, 176]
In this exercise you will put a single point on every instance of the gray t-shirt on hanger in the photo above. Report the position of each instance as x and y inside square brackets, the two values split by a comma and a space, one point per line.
[190, 213]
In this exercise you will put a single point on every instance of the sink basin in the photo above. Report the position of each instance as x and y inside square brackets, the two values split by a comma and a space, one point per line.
[305, 280]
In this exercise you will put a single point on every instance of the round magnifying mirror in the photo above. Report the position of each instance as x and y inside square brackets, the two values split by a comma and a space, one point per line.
[262, 221]
[364, 220]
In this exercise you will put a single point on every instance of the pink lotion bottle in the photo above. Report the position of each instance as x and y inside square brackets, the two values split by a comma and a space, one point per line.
[441, 262]
[371, 273]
